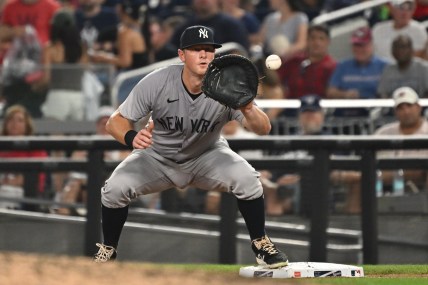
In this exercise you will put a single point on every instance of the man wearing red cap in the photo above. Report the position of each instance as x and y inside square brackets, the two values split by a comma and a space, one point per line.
[357, 77]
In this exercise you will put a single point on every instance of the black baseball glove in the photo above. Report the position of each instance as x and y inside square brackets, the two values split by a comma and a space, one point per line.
[231, 80]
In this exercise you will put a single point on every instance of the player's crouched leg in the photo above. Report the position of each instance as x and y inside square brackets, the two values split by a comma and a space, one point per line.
[115, 199]
[246, 186]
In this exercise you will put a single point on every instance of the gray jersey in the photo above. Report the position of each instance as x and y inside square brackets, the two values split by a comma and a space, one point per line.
[184, 128]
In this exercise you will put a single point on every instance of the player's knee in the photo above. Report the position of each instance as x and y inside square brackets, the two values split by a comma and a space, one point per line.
[116, 195]
[248, 193]
[248, 187]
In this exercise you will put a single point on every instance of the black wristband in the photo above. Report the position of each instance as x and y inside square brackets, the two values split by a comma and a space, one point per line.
[129, 137]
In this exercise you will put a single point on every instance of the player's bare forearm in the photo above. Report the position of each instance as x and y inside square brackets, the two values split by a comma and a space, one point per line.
[118, 126]
[255, 119]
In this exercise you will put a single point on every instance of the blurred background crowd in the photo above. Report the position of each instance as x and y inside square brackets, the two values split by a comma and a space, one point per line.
[59, 60]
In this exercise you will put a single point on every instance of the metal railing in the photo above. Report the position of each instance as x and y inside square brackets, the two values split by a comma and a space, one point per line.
[319, 166]
[348, 11]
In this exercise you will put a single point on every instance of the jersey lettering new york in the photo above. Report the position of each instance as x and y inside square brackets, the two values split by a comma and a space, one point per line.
[197, 125]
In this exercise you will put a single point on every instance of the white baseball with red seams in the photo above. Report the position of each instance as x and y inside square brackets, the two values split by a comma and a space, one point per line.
[273, 62]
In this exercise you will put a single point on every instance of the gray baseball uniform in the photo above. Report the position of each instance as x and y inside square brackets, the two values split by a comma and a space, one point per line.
[187, 147]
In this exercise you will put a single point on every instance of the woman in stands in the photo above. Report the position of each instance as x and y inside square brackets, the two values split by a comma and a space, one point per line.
[18, 123]
[64, 64]
[131, 48]
[284, 31]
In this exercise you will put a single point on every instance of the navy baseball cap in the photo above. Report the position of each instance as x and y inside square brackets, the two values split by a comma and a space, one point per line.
[310, 103]
[197, 35]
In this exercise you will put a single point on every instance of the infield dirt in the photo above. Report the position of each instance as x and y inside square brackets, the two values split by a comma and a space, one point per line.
[31, 269]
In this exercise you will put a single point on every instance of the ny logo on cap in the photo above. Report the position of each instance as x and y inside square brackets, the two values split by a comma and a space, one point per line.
[203, 33]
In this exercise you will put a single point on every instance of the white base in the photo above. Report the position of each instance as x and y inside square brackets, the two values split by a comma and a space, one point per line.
[304, 270]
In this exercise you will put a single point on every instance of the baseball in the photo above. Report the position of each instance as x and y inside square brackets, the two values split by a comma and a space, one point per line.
[273, 62]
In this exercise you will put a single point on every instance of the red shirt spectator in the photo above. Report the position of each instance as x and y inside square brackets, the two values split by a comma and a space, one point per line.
[302, 77]
[37, 14]
[29, 154]
[18, 122]
[309, 72]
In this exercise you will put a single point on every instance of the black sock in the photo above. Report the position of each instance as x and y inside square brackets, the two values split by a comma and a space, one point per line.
[113, 221]
[253, 212]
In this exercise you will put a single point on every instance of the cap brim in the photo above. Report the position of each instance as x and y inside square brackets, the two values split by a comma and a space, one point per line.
[209, 43]
[399, 102]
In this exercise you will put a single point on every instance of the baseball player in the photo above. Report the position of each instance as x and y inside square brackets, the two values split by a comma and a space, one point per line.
[182, 146]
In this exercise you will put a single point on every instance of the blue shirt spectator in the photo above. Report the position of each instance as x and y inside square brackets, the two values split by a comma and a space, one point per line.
[96, 24]
[349, 74]
[357, 77]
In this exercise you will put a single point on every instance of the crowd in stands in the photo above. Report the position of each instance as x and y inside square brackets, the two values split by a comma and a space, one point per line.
[58, 59]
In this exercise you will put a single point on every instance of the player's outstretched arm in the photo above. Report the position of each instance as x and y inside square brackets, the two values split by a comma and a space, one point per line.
[255, 119]
[120, 127]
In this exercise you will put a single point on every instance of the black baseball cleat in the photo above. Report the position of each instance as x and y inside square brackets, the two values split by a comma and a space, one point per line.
[105, 253]
[267, 254]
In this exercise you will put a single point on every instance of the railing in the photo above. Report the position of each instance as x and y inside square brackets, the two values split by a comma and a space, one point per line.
[348, 11]
[319, 167]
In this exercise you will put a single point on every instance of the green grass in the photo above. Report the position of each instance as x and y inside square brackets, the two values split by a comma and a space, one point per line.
[374, 274]
[396, 269]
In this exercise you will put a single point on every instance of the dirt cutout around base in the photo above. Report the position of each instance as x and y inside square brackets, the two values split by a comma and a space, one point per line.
[32, 269]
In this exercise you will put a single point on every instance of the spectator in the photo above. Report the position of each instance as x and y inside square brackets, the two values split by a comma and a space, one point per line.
[24, 30]
[308, 72]
[208, 13]
[18, 123]
[409, 122]
[357, 77]
[161, 32]
[97, 25]
[252, 24]
[19, 13]
[73, 189]
[131, 47]
[63, 59]
[284, 32]
[401, 24]
[407, 71]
